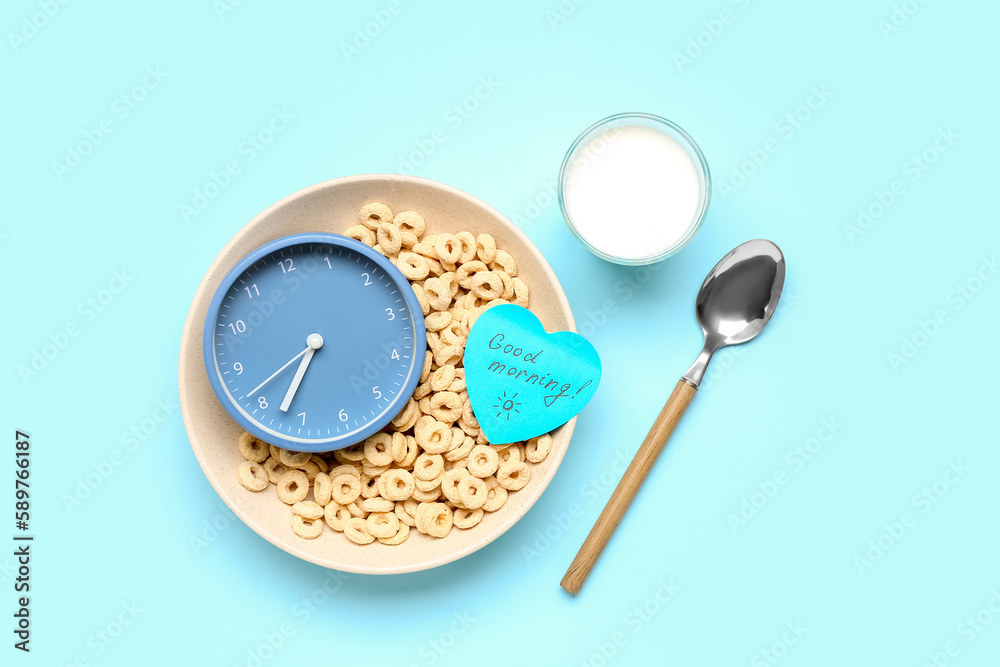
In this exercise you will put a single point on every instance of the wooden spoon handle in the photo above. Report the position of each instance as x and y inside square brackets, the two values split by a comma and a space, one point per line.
[613, 512]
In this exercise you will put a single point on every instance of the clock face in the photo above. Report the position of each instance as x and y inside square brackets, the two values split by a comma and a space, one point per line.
[314, 342]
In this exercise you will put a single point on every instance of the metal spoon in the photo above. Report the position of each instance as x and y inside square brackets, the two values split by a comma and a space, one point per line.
[734, 303]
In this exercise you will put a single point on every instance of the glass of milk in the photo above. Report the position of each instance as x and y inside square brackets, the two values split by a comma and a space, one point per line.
[634, 188]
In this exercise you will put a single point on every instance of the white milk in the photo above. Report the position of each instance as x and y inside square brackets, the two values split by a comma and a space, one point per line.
[632, 192]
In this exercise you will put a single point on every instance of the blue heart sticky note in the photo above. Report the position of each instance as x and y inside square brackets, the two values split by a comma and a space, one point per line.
[522, 381]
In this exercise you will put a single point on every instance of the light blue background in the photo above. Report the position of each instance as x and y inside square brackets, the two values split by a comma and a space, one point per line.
[848, 306]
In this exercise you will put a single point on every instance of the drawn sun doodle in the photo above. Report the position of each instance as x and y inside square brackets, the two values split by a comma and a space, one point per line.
[507, 405]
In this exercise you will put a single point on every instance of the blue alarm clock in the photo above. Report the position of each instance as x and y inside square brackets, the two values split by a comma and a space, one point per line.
[313, 342]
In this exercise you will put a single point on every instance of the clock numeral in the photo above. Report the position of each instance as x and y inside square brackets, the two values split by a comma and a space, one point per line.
[343, 416]
[394, 355]
[328, 264]
[255, 290]
[367, 279]
[238, 367]
[392, 315]
[303, 415]
[290, 266]
[262, 402]
[239, 326]
[376, 393]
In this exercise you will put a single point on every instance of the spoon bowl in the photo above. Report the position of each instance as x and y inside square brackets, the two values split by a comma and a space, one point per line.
[734, 303]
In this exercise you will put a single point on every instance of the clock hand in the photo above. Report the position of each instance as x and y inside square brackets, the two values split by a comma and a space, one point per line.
[314, 341]
[289, 363]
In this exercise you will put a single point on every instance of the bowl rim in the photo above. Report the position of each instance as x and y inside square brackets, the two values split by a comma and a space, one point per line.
[193, 329]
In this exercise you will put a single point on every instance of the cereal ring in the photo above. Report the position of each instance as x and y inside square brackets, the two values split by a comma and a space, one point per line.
[496, 495]
[336, 516]
[373, 214]
[251, 476]
[293, 459]
[308, 509]
[462, 451]
[538, 448]
[347, 468]
[351, 454]
[376, 505]
[505, 261]
[433, 436]
[507, 453]
[438, 293]
[448, 248]
[398, 483]
[310, 469]
[306, 528]
[407, 239]
[253, 449]
[293, 487]
[320, 462]
[486, 248]
[508, 284]
[405, 414]
[356, 510]
[382, 524]
[520, 292]
[472, 491]
[487, 285]
[442, 378]
[360, 233]
[322, 488]
[404, 516]
[513, 475]
[446, 407]
[369, 484]
[398, 538]
[422, 391]
[465, 273]
[449, 354]
[411, 221]
[433, 343]
[428, 467]
[412, 452]
[412, 265]
[435, 519]
[425, 247]
[274, 469]
[453, 334]
[377, 449]
[466, 518]
[418, 289]
[483, 461]
[356, 530]
[458, 384]
[389, 238]
[450, 481]
[468, 247]
[437, 320]
[427, 496]
[346, 488]
[468, 415]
